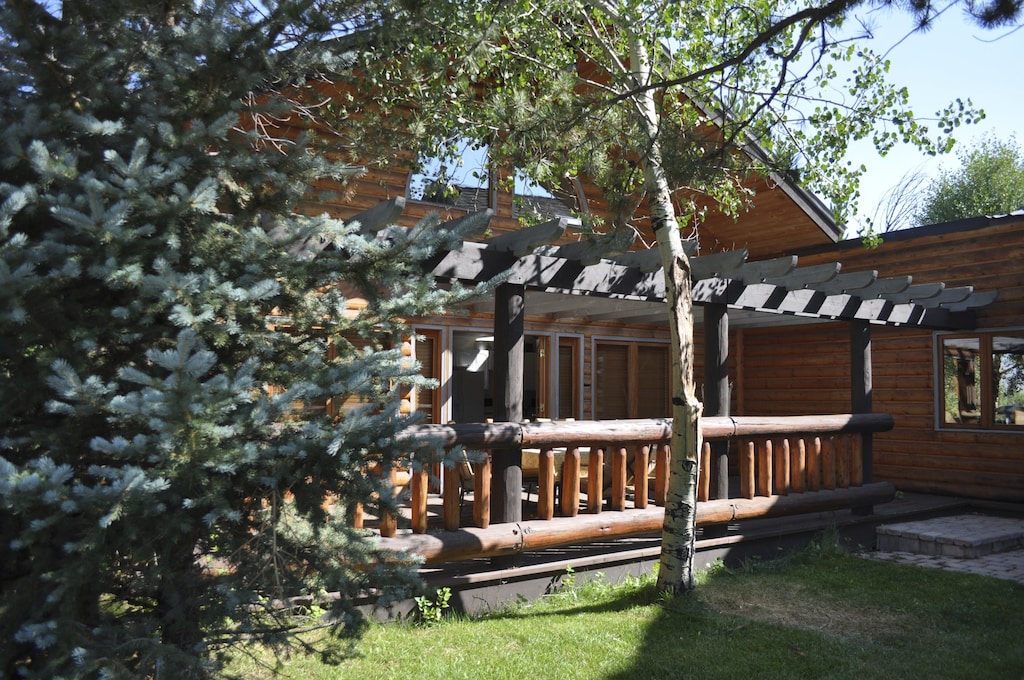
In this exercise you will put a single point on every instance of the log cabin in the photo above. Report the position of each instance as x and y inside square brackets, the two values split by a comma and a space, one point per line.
[780, 335]
[833, 375]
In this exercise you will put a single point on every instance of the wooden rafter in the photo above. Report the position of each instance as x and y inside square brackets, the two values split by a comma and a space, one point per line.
[777, 286]
[524, 241]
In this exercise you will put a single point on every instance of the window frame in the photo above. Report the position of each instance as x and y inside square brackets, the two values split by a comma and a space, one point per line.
[574, 342]
[434, 337]
[632, 346]
[986, 388]
[529, 199]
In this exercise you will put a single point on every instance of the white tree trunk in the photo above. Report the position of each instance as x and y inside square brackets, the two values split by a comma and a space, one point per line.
[675, 573]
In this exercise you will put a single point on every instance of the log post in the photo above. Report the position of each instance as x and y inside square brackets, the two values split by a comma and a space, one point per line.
[716, 388]
[703, 473]
[860, 400]
[482, 493]
[595, 480]
[509, 351]
[843, 461]
[828, 463]
[546, 485]
[357, 516]
[420, 486]
[641, 463]
[856, 461]
[764, 468]
[798, 466]
[661, 462]
[388, 522]
[782, 468]
[861, 385]
[747, 470]
[620, 468]
[451, 494]
[571, 482]
[814, 465]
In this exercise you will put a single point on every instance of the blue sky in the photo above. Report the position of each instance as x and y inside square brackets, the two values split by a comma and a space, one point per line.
[953, 59]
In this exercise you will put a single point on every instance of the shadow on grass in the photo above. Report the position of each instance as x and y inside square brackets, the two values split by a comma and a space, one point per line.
[823, 613]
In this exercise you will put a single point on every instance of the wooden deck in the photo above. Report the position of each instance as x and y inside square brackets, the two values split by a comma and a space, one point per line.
[483, 584]
[790, 478]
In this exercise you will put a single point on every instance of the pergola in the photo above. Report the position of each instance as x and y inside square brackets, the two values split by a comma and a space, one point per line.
[603, 280]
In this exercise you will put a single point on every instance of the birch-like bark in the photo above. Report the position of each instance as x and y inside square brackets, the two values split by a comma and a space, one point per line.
[675, 572]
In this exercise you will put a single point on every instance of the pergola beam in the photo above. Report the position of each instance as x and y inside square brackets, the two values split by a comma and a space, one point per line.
[975, 300]
[717, 264]
[524, 241]
[947, 296]
[774, 286]
[886, 286]
[762, 270]
[802, 277]
[845, 283]
[593, 250]
[917, 292]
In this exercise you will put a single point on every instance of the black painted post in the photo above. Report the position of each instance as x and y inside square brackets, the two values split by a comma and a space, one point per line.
[506, 464]
[716, 388]
[860, 392]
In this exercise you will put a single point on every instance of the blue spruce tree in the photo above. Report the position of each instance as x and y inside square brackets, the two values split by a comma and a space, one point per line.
[169, 320]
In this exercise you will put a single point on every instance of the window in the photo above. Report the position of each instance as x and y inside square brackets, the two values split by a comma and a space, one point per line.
[458, 175]
[455, 176]
[472, 379]
[632, 380]
[982, 380]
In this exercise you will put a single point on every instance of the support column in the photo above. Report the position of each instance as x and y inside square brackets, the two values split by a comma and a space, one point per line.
[507, 470]
[716, 388]
[860, 383]
[860, 393]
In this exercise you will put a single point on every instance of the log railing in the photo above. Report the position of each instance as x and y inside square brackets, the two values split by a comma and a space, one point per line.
[776, 457]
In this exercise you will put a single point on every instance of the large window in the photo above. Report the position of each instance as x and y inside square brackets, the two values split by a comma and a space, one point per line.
[982, 380]
[459, 175]
[472, 380]
[632, 380]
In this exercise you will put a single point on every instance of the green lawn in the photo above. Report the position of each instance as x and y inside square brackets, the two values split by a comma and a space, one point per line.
[819, 614]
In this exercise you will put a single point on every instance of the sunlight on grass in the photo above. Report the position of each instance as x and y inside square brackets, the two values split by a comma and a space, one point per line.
[822, 614]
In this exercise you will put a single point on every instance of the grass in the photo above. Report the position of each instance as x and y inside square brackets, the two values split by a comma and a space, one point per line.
[821, 613]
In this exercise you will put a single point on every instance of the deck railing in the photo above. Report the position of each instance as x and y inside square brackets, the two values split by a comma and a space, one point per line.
[625, 463]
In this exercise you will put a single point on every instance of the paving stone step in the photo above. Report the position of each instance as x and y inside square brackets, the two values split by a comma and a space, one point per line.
[962, 536]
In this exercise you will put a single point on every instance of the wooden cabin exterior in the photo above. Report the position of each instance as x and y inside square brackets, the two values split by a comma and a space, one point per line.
[794, 370]
[774, 341]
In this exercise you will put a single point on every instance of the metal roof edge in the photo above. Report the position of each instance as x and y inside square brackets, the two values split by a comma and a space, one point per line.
[925, 231]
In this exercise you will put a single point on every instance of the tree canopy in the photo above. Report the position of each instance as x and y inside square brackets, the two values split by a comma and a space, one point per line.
[988, 181]
[189, 408]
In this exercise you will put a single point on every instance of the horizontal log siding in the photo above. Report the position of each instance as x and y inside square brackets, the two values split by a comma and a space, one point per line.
[805, 369]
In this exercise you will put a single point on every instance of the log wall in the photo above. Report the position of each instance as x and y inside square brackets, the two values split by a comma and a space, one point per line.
[806, 369]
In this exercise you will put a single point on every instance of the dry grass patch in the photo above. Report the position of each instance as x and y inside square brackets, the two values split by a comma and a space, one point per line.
[796, 605]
